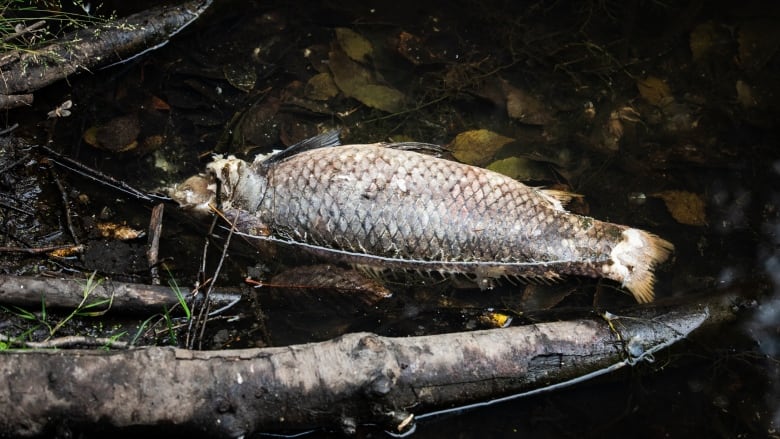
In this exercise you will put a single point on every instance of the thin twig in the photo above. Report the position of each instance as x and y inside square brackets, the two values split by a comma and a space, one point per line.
[9, 129]
[65, 205]
[37, 250]
[25, 30]
[20, 210]
[67, 341]
[202, 282]
[152, 254]
[106, 180]
[223, 256]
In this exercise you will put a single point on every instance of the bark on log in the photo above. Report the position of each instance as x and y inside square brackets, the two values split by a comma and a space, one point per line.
[22, 72]
[68, 293]
[354, 379]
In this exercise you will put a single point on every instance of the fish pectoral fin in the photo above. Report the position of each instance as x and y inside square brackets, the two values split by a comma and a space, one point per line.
[559, 199]
[244, 222]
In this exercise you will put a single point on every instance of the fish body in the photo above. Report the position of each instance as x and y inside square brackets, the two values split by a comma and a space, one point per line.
[381, 205]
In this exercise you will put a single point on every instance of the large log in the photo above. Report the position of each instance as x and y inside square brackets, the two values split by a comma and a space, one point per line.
[354, 379]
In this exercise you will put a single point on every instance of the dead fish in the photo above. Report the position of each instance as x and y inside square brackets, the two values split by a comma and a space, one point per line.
[389, 207]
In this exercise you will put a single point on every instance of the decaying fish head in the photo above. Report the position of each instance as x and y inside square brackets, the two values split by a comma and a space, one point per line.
[224, 180]
[231, 185]
[196, 194]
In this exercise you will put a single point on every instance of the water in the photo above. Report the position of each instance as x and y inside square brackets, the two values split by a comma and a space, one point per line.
[636, 99]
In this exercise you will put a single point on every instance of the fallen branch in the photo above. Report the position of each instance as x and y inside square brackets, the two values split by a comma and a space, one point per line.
[69, 293]
[25, 71]
[13, 101]
[67, 341]
[355, 379]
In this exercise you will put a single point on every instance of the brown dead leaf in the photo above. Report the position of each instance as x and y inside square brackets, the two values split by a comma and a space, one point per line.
[156, 103]
[686, 207]
[477, 147]
[537, 297]
[655, 91]
[309, 281]
[522, 106]
[410, 46]
[117, 135]
[321, 87]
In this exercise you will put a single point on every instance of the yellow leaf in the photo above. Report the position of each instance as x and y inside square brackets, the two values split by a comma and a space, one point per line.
[495, 319]
[477, 147]
[520, 168]
[685, 207]
[354, 45]
[121, 232]
[381, 97]
[357, 82]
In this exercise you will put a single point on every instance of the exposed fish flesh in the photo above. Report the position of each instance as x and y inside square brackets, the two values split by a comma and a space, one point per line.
[386, 206]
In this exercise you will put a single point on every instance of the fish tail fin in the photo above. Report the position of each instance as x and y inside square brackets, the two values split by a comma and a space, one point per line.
[633, 261]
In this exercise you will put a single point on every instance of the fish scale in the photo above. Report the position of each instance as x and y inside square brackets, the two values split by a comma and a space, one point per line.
[386, 207]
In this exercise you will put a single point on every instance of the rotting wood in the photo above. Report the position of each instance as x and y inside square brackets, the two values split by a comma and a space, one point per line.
[23, 72]
[354, 379]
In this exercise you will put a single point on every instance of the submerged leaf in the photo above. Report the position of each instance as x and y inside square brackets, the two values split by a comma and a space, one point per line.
[241, 76]
[353, 44]
[380, 97]
[655, 91]
[522, 106]
[321, 87]
[685, 207]
[357, 82]
[320, 283]
[477, 147]
[347, 74]
[703, 40]
[520, 168]
[117, 135]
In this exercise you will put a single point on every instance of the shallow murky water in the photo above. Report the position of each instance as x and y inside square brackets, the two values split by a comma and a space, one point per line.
[661, 116]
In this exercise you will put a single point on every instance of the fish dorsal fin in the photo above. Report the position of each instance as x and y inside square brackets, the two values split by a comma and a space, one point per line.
[324, 140]
[559, 199]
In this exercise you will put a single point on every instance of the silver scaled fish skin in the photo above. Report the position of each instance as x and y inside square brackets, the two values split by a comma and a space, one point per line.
[387, 207]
